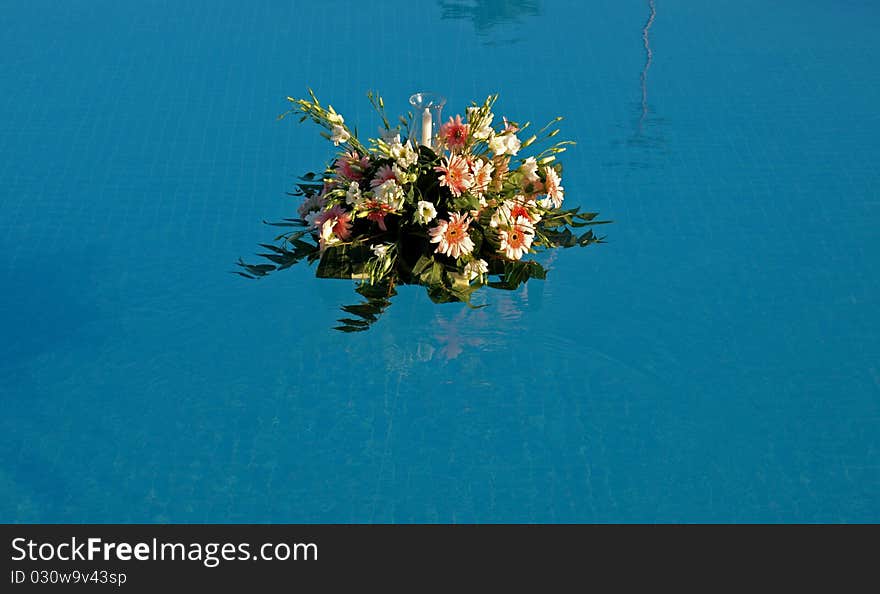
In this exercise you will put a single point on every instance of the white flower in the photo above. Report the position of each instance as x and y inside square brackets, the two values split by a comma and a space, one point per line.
[498, 217]
[504, 144]
[334, 225]
[404, 154]
[425, 212]
[339, 135]
[380, 250]
[513, 144]
[476, 268]
[529, 169]
[390, 193]
[481, 129]
[335, 118]
[327, 235]
[497, 144]
[501, 216]
[353, 195]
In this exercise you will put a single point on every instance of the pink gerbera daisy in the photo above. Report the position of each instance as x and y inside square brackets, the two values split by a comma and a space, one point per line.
[517, 240]
[552, 187]
[333, 223]
[351, 166]
[383, 174]
[454, 133]
[456, 176]
[451, 236]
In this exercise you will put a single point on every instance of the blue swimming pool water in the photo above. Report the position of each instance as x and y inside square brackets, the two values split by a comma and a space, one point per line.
[716, 360]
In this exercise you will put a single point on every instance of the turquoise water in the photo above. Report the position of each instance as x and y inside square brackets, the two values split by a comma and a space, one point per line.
[716, 360]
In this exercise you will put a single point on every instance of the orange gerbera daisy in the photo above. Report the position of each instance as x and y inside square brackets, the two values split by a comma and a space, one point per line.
[482, 175]
[456, 176]
[451, 236]
[517, 240]
[553, 187]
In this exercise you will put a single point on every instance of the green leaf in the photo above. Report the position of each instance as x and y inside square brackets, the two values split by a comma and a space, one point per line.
[537, 271]
[368, 311]
[517, 273]
[465, 202]
[476, 235]
[587, 238]
[564, 238]
[422, 264]
[436, 274]
[286, 223]
[440, 294]
[378, 299]
[333, 264]
[257, 270]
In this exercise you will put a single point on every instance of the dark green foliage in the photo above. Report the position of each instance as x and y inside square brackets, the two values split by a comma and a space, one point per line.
[377, 300]
[516, 273]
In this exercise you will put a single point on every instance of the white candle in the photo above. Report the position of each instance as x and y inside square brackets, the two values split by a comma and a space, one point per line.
[426, 127]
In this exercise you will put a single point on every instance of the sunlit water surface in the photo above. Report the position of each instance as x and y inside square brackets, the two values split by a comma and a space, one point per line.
[716, 360]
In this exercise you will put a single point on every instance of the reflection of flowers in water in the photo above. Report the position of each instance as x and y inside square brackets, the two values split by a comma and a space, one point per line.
[451, 336]
[480, 329]
[489, 14]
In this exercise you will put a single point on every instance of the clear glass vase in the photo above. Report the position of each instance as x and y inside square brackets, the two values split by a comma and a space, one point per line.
[426, 118]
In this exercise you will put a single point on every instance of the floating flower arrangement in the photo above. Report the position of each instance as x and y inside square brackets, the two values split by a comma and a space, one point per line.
[452, 206]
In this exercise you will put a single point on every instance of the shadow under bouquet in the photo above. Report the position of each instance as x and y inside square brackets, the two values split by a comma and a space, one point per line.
[456, 211]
